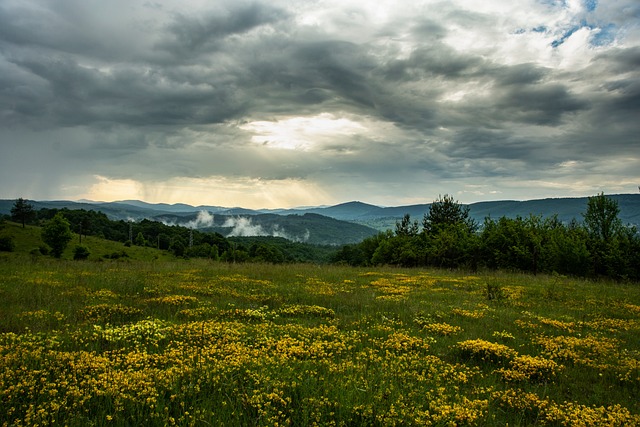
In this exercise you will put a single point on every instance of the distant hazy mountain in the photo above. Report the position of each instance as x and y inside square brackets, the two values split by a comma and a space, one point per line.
[565, 208]
[361, 218]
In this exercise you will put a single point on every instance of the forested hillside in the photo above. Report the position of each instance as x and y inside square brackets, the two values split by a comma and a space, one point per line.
[449, 237]
[177, 240]
[601, 245]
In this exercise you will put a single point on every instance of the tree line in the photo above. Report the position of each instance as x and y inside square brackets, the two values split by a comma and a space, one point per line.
[58, 224]
[447, 237]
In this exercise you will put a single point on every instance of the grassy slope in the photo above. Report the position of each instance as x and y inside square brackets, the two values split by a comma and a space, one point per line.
[29, 238]
[206, 343]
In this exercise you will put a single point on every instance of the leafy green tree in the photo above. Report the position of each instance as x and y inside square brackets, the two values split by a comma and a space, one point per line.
[449, 234]
[214, 255]
[266, 253]
[447, 211]
[404, 251]
[139, 240]
[22, 211]
[178, 246]
[512, 243]
[605, 231]
[564, 249]
[601, 219]
[199, 251]
[163, 241]
[57, 234]
[406, 227]
[451, 246]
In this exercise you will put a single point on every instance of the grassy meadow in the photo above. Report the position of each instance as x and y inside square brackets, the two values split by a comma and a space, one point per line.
[153, 341]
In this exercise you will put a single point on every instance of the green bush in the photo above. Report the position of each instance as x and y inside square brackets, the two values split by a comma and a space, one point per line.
[81, 252]
[6, 244]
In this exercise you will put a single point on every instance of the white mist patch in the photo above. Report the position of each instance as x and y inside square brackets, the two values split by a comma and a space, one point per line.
[204, 219]
[243, 227]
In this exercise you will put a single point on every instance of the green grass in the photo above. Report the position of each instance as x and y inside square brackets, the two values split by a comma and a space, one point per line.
[163, 342]
[28, 240]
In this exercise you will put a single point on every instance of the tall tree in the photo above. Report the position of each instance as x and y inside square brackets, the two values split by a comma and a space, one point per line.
[22, 211]
[446, 211]
[449, 234]
[57, 234]
[605, 230]
[406, 227]
[601, 219]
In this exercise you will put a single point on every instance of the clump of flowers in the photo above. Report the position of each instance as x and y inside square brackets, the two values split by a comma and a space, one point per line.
[503, 335]
[466, 412]
[576, 415]
[485, 350]
[259, 314]
[42, 316]
[530, 368]
[629, 367]
[296, 310]
[110, 313]
[613, 325]
[444, 329]
[198, 313]
[145, 333]
[529, 405]
[402, 342]
[390, 288]
[593, 351]
[173, 300]
[559, 324]
[471, 314]
[107, 294]
[541, 411]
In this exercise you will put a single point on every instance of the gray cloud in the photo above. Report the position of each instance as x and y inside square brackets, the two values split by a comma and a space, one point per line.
[195, 34]
[384, 98]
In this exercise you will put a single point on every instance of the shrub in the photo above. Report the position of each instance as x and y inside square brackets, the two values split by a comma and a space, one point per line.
[6, 244]
[81, 252]
[117, 255]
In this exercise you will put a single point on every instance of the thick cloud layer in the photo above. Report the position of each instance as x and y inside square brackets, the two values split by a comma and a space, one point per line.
[281, 103]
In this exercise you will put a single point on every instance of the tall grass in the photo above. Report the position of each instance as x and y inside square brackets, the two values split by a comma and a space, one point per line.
[206, 343]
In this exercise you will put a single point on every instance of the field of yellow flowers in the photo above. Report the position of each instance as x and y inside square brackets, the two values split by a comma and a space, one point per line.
[202, 343]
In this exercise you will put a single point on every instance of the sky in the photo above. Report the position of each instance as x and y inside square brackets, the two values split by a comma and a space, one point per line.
[272, 104]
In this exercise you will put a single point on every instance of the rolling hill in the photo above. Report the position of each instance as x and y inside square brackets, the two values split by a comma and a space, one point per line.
[339, 224]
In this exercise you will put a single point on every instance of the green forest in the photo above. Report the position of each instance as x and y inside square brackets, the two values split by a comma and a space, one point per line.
[599, 246]
[447, 237]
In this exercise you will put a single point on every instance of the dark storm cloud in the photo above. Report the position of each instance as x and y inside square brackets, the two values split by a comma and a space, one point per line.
[436, 60]
[521, 74]
[543, 105]
[81, 95]
[338, 66]
[197, 34]
[438, 90]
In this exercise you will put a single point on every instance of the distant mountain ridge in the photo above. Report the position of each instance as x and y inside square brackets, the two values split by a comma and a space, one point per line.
[566, 209]
[363, 214]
